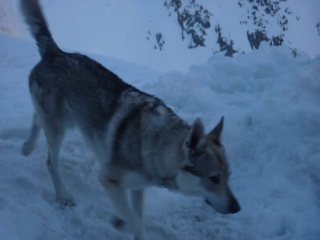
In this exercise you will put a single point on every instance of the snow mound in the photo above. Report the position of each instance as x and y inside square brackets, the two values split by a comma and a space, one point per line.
[270, 101]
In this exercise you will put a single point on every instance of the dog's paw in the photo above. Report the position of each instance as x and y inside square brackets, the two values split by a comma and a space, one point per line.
[123, 226]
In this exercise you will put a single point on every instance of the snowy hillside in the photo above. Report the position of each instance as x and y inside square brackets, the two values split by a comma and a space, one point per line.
[173, 34]
[271, 106]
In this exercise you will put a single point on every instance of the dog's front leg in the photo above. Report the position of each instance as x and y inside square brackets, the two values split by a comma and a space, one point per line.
[137, 198]
[128, 221]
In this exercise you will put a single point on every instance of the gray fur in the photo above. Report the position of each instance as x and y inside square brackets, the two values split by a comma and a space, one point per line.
[139, 141]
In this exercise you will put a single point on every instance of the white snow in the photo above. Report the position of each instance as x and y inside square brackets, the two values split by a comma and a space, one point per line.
[271, 104]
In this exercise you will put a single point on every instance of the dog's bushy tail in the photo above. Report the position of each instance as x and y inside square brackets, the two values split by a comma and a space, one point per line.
[33, 16]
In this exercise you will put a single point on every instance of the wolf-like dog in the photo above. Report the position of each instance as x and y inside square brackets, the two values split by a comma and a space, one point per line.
[139, 141]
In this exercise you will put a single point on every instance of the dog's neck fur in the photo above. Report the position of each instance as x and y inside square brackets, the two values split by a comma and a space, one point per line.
[175, 163]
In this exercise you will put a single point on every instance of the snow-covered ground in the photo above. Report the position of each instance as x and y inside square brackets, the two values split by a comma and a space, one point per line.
[271, 104]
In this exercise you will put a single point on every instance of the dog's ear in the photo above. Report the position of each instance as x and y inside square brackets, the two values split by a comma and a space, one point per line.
[215, 134]
[196, 135]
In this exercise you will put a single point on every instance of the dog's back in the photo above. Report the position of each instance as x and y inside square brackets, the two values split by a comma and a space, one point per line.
[78, 82]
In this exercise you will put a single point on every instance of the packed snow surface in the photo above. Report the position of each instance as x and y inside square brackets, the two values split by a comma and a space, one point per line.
[271, 105]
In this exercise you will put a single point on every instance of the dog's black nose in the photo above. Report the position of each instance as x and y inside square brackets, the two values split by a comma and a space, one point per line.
[234, 207]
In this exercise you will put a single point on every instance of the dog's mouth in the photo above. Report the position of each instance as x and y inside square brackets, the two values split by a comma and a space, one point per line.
[231, 209]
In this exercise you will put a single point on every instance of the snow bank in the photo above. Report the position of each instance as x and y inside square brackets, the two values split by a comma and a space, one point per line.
[272, 133]
[271, 106]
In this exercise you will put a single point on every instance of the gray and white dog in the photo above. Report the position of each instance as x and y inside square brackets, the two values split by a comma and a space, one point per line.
[139, 141]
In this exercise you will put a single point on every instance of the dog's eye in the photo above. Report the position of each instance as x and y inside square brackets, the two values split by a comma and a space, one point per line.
[215, 179]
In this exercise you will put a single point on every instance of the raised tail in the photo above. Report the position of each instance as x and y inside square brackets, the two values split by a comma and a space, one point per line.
[33, 16]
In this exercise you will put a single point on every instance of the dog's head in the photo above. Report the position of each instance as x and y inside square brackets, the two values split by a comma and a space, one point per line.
[205, 172]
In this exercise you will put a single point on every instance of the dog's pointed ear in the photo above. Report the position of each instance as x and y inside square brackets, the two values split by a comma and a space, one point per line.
[216, 132]
[196, 135]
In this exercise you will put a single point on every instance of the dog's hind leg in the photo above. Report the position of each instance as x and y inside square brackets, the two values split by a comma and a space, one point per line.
[30, 143]
[54, 133]
[137, 199]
